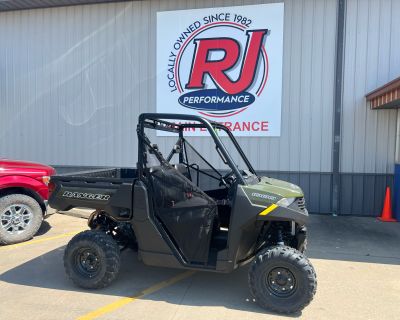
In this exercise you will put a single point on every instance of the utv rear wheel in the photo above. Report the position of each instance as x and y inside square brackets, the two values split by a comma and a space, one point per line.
[92, 259]
[20, 218]
[282, 279]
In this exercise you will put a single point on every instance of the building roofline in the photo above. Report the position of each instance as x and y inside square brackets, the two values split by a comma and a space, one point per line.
[13, 5]
[386, 96]
[391, 85]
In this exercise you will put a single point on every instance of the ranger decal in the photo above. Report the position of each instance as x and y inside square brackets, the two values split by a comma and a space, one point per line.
[87, 196]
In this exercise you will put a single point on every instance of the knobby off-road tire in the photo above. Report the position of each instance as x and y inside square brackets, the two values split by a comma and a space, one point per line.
[303, 247]
[92, 259]
[282, 279]
[20, 218]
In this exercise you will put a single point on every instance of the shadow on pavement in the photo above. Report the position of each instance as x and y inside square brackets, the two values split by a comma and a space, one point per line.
[201, 289]
[44, 228]
[333, 238]
[360, 239]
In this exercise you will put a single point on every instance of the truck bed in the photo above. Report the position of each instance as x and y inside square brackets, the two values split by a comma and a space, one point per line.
[110, 190]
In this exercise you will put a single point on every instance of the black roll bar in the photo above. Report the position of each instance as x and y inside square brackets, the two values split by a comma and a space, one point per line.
[144, 119]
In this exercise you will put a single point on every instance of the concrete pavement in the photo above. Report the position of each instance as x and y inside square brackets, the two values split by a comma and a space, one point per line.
[357, 262]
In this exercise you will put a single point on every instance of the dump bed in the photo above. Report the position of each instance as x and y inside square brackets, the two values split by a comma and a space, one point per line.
[110, 190]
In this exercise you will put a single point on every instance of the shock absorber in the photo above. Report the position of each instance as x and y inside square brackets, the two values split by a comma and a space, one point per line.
[279, 236]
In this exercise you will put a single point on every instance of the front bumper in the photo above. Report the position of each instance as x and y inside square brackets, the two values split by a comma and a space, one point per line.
[300, 216]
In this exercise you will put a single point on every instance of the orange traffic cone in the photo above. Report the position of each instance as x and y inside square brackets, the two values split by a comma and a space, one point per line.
[387, 208]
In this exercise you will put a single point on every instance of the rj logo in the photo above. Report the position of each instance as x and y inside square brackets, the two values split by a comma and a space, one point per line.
[217, 69]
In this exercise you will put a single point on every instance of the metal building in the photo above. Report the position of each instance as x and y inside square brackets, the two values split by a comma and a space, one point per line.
[75, 76]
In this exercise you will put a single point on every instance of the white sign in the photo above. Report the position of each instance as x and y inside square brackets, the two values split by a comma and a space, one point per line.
[224, 64]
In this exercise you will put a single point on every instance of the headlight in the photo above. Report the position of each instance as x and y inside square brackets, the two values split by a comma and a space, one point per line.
[285, 202]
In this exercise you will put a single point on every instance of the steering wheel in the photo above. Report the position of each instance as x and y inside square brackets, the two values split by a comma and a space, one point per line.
[227, 179]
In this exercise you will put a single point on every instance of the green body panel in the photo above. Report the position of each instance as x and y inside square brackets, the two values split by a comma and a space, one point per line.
[270, 190]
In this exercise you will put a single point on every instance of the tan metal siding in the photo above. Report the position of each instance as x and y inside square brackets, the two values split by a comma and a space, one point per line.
[74, 79]
[372, 47]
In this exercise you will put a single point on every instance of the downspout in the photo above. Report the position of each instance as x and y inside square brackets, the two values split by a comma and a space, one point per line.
[337, 105]
[397, 152]
[396, 184]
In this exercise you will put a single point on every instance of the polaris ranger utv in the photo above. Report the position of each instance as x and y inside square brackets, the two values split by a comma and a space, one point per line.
[183, 210]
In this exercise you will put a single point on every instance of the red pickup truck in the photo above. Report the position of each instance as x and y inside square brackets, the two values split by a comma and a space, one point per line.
[23, 199]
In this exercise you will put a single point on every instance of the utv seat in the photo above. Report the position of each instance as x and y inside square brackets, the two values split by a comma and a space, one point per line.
[182, 169]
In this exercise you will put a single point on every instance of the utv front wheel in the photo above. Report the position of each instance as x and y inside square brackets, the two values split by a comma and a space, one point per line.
[282, 279]
[92, 259]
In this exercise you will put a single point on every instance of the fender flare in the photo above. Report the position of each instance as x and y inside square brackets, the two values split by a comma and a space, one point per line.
[32, 187]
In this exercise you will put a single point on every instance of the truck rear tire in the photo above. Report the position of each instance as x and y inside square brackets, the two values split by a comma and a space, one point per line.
[92, 259]
[282, 279]
[20, 218]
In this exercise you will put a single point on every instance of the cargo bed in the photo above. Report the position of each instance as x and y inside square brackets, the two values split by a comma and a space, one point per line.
[99, 174]
[110, 190]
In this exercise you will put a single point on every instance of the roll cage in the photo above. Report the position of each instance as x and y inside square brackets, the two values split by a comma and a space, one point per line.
[158, 121]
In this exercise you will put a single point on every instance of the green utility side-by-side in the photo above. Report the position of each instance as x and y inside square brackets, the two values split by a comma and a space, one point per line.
[179, 209]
